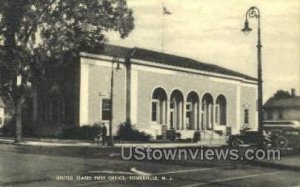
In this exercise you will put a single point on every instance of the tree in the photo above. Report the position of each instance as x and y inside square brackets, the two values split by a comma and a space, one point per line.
[282, 94]
[36, 33]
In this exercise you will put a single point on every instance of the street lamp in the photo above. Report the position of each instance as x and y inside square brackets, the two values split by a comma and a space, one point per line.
[114, 60]
[254, 12]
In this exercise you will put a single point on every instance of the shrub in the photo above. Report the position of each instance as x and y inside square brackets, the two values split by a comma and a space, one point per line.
[171, 134]
[9, 128]
[197, 136]
[85, 132]
[126, 132]
[178, 135]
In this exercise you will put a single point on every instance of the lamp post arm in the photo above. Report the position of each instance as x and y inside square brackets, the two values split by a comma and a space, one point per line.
[254, 12]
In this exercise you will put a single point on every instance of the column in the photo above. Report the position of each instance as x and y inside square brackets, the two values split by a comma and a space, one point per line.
[168, 114]
[178, 115]
[199, 116]
[212, 107]
[183, 113]
[195, 115]
[208, 116]
[163, 112]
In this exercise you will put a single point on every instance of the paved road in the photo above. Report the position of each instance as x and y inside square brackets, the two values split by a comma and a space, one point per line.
[40, 166]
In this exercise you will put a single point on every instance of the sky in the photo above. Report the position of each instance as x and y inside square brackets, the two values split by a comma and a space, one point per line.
[210, 31]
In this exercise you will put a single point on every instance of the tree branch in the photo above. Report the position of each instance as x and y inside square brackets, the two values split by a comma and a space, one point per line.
[37, 20]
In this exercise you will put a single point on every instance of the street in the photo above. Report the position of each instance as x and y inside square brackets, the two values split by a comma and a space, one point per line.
[66, 166]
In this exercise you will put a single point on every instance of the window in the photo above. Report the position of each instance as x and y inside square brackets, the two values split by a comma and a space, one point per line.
[154, 110]
[208, 111]
[159, 106]
[53, 108]
[269, 116]
[280, 116]
[246, 116]
[106, 109]
[172, 104]
[220, 110]
[188, 107]
[177, 108]
[56, 109]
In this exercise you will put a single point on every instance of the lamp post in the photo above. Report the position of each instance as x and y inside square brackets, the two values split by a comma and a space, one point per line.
[114, 60]
[254, 12]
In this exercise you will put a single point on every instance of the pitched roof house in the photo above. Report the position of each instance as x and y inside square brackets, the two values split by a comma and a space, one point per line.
[287, 108]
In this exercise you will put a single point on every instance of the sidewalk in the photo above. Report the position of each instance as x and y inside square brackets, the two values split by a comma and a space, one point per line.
[81, 143]
[173, 144]
[49, 142]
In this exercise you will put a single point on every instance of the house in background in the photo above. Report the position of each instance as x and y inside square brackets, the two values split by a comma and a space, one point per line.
[283, 108]
[152, 90]
[2, 112]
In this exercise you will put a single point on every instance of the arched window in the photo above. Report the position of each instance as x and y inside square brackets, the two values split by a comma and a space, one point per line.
[207, 112]
[192, 111]
[159, 106]
[221, 112]
[176, 110]
[55, 105]
[246, 117]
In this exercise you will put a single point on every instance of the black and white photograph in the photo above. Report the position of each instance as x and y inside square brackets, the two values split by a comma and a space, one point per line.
[130, 93]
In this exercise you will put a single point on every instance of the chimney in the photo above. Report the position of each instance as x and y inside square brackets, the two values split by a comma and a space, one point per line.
[293, 92]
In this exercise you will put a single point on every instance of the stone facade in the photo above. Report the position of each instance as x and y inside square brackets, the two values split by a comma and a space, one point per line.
[155, 95]
[153, 91]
